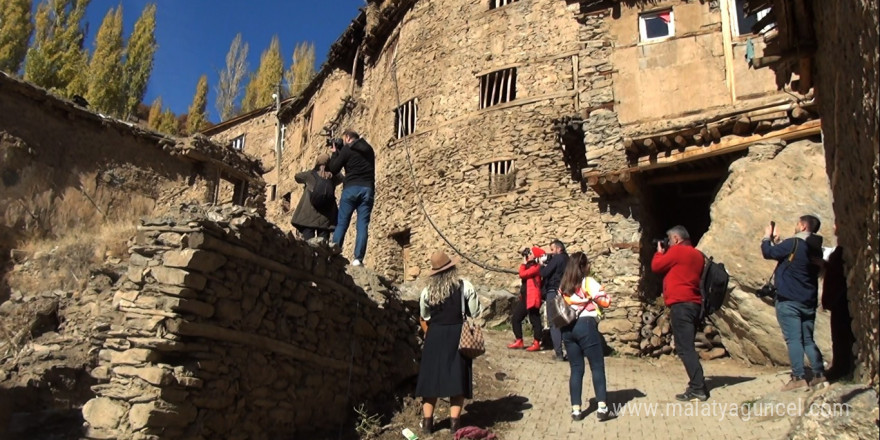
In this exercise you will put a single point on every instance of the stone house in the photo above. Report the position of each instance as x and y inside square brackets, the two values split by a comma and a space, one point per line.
[500, 124]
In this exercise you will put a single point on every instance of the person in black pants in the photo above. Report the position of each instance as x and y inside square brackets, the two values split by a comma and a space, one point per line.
[551, 276]
[529, 300]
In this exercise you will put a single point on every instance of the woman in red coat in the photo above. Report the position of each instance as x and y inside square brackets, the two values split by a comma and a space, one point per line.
[529, 299]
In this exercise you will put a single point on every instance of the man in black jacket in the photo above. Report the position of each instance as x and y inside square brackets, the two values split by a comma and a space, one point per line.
[551, 276]
[356, 156]
[797, 283]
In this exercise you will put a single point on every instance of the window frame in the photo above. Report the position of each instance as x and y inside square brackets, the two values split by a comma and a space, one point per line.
[734, 18]
[406, 118]
[643, 31]
[238, 140]
[500, 79]
[501, 169]
[494, 4]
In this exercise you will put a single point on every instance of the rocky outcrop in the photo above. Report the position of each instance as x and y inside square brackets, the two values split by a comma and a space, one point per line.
[761, 187]
[840, 412]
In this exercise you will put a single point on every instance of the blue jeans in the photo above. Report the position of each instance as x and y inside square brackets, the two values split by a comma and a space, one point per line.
[583, 339]
[797, 321]
[358, 198]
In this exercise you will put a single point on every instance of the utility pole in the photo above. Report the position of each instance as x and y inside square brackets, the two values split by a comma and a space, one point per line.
[277, 96]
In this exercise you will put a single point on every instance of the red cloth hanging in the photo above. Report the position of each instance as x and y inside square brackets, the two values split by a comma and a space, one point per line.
[665, 16]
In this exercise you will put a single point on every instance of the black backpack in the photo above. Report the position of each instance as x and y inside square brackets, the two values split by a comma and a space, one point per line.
[713, 286]
[323, 194]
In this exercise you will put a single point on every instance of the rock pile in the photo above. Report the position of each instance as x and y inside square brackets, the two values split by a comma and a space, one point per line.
[657, 338]
[232, 329]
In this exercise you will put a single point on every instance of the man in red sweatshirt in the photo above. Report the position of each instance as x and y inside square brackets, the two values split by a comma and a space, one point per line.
[682, 265]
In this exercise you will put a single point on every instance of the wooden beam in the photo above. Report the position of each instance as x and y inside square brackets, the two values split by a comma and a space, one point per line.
[680, 140]
[729, 145]
[630, 146]
[715, 133]
[664, 140]
[649, 144]
[742, 126]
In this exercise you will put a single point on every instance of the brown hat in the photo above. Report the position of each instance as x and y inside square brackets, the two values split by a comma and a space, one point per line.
[441, 262]
[322, 159]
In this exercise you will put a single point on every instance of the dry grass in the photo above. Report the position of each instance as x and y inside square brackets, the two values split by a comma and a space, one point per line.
[63, 263]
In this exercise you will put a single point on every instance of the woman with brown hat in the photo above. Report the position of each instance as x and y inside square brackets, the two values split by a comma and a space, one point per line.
[316, 213]
[444, 372]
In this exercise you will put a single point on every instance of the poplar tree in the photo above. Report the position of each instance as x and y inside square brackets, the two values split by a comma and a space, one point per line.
[15, 31]
[139, 59]
[155, 114]
[197, 117]
[265, 81]
[168, 122]
[302, 68]
[229, 86]
[57, 59]
[105, 92]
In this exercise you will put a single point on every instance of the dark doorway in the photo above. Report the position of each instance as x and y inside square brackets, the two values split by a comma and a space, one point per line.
[679, 195]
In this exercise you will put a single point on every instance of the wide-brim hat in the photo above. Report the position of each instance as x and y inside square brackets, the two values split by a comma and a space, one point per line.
[440, 262]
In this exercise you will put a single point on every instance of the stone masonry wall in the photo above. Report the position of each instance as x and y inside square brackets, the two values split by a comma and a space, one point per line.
[234, 330]
[847, 86]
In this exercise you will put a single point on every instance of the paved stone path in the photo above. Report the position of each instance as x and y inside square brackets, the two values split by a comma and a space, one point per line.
[638, 383]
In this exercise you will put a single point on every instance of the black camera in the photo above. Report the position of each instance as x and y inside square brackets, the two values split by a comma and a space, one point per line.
[663, 242]
[335, 142]
[525, 252]
[768, 290]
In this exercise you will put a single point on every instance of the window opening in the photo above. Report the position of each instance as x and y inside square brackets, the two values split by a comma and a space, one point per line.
[406, 117]
[497, 87]
[656, 25]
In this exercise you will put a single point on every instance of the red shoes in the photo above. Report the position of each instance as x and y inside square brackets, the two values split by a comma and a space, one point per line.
[516, 344]
[536, 346]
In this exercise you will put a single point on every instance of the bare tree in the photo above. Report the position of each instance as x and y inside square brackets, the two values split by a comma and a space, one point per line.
[229, 86]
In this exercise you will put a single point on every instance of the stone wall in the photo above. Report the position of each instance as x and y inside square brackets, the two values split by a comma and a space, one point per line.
[66, 168]
[846, 82]
[232, 329]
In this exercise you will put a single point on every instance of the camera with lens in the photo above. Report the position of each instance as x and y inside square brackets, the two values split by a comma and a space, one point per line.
[525, 252]
[768, 290]
[663, 242]
[334, 142]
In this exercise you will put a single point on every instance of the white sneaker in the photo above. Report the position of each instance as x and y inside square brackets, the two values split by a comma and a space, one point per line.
[356, 262]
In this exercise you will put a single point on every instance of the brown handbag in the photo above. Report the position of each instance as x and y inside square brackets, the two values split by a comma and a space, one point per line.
[471, 344]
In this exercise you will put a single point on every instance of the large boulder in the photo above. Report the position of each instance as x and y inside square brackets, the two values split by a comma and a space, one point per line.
[761, 187]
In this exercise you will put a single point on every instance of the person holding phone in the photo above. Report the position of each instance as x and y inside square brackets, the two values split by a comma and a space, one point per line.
[799, 261]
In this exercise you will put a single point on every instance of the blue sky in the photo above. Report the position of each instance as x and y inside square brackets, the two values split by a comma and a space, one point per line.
[194, 36]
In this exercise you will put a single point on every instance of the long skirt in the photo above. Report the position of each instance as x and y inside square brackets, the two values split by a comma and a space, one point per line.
[444, 372]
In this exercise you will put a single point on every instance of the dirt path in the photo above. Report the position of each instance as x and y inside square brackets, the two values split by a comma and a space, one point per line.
[521, 395]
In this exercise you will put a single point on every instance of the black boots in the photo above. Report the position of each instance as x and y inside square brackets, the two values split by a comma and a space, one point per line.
[427, 425]
[454, 424]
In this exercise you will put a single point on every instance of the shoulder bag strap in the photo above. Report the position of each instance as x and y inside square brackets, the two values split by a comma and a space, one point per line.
[461, 288]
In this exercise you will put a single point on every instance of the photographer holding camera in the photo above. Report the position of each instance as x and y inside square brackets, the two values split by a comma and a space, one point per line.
[358, 159]
[553, 266]
[682, 265]
[529, 299]
[799, 260]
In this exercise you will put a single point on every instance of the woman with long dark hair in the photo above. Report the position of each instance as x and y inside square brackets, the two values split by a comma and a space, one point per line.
[443, 371]
[582, 338]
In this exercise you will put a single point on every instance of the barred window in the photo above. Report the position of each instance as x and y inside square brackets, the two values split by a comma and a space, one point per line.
[502, 176]
[238, 143]
[493, 4]
[405, 118]
[498, 87]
